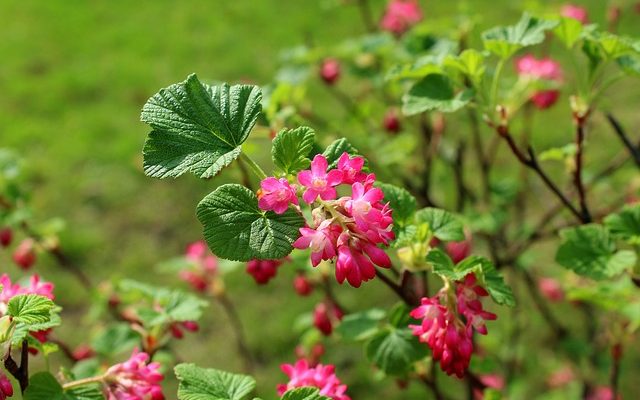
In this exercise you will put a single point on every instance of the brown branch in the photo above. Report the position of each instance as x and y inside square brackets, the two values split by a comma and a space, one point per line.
[559, 330]
[21, 373]
[577, 173]
[619, 130]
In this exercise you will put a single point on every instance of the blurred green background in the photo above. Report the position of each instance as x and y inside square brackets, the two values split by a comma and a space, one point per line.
[73, 78]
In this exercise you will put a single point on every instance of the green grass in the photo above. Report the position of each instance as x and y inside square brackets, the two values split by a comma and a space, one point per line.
[74, 76]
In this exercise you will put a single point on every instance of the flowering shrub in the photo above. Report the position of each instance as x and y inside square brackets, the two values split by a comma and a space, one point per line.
[373, 208]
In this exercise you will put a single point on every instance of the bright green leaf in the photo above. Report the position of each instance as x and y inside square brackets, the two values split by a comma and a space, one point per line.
[504, 41]
[589, 250]
[30, 309]
[304, 393]
[291, 148]
[335, 150]
[43, 385]
[470, 63]
[361, 325]
[211, 384]
[625, 224]
[236, 229]
[434, 92]
[444, 225]
[568, 31]
[197, 127]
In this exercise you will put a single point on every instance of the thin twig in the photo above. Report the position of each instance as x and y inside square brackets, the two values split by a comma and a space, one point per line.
[238, 329]
[577, 173]
[619, 130]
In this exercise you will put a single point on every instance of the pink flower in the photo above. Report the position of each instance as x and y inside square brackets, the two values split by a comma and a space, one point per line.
[330, 71]
[561, 377]
[263, 270]
[10, 290]
[450, 340]
[318, 181]
[601, 393]
[540, 69]
[576, 12]
[469, 304]
[351, 168]
[326, 316]
[83, 352]
[276, 195]
[302, 285]
[400, 16]
[321, 241]
[354, 265]
[363, 205]
[321, 376]
[491, 381]
[204, 266]
[551, 289]
[134, 379]
[6, 389]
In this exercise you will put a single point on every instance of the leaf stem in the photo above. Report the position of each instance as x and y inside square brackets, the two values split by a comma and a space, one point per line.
[83, 382]
[494, 84]
[255, 168]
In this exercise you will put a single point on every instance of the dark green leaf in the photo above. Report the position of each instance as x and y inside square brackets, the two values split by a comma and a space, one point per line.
[211, 384]
[395, 351]
[115, 339]
[434, 92]
[291, 148]
[43, 385]
[236, 229]
[197, 127]
[401, 201]
[335, 150]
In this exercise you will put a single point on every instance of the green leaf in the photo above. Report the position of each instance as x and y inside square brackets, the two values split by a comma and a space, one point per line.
[335, 150]
[30, 309]
[43, 385]
[22, 329]
[444, 225]
[401, 201]
[291, 148]
[236, 229]
[211, 384]
[504, 41]
[630, 64]
[361, 325]
[568, 31]
[434, 92]
[115, 339]
[589, 250]
[625, 224]
[470, 63]
[197, 127]
[420, 68]
[442, 264]
[395, 351]
[304, 393]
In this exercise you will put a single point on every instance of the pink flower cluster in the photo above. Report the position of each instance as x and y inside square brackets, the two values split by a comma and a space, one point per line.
[134, 379]
[321, 376]
[6, 389]
[400, 16]
[10, 289]
[204, 266]
[544, 69]
[263, 270]
[346, 229]
[448, 329]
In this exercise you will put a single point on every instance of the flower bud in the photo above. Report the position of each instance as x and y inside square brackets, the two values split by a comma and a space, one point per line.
[391, 122]
[302, 285]
[25, 254]
[6, 235]
[330, 71]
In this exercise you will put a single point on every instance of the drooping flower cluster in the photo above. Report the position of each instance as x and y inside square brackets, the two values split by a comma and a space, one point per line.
[544, 69]
[448, 328]
[204, 266]
[400, 16]
[321, 376]
[263, 270]
[6, 389]
[346, 229]
[134, 379]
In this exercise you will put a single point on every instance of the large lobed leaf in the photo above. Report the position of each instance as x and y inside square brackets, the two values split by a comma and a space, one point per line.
[625, 224]
[434, 92]
[197, 128]
[444, 225]
[30, 309]
[395, 351]
[504, 41]
[236, 229]
[589, 250]
[211, 384]
[291, 148]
